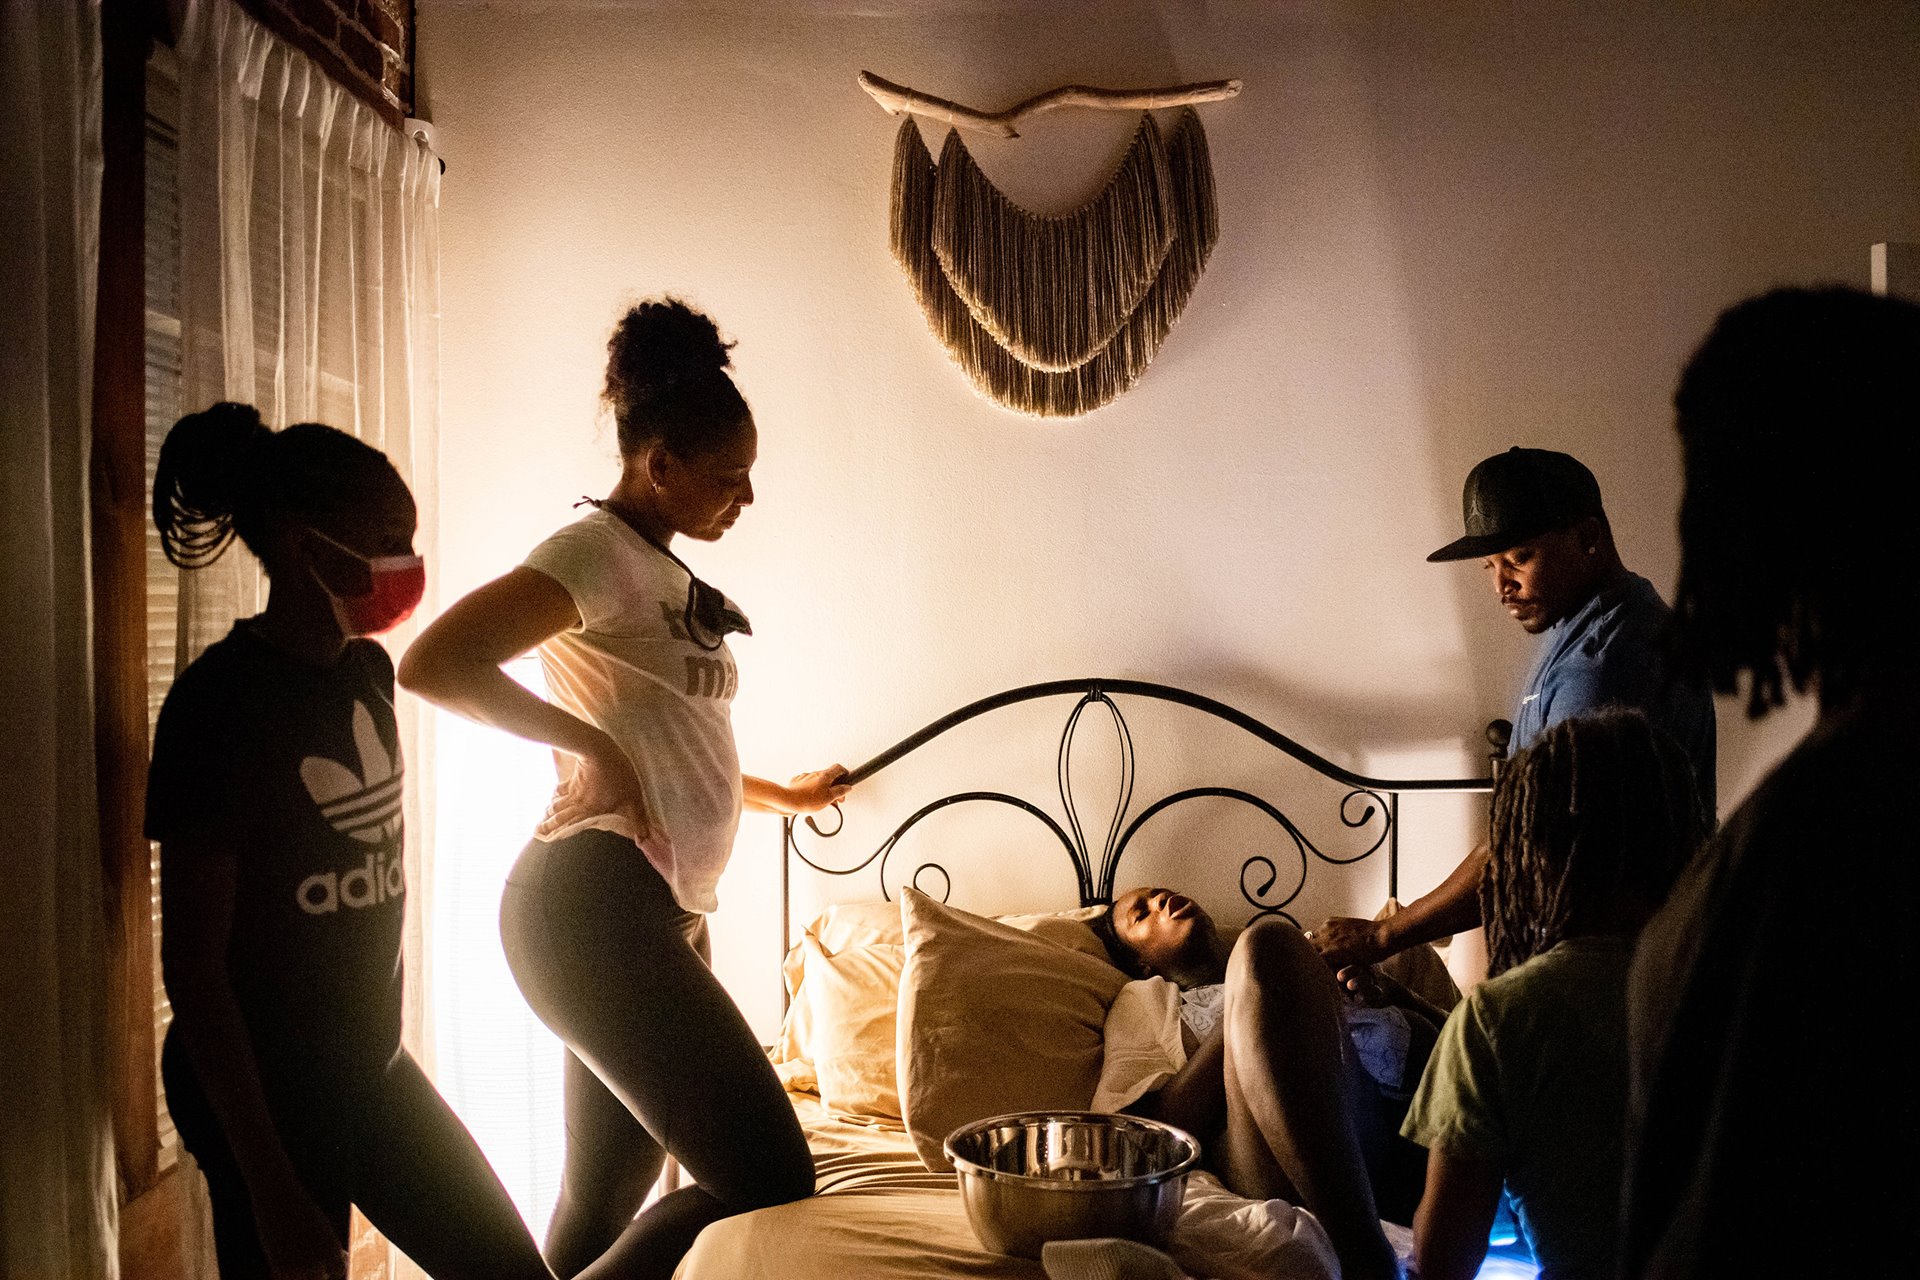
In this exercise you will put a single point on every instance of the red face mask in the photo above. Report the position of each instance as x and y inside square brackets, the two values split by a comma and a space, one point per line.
[398, 583]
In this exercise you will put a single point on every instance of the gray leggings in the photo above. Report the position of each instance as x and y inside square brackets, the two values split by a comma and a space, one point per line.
[658, 1057]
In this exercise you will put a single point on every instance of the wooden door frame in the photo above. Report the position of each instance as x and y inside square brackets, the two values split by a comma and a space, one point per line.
[160, 1232]
[118, 493]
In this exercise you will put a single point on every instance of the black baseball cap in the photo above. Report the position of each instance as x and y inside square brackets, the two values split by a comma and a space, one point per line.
[1521, 494]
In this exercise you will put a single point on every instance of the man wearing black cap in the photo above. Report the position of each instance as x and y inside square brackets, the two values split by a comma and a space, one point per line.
[1534, 518]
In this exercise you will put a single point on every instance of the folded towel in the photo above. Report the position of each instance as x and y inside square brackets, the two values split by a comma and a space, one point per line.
[1106, 1259]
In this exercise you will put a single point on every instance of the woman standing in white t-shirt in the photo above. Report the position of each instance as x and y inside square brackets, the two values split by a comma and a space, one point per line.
[609, 946]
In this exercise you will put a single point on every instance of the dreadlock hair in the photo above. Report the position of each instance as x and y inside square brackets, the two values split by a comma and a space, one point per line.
[223, 473]
[1600, 809]
[667, 381]
[1799, 421]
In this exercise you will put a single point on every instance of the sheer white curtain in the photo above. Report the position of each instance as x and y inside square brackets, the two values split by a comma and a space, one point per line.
[57, 1192]
[309, 287]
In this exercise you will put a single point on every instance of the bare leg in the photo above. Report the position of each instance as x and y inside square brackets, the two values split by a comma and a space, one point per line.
[1291, 1086]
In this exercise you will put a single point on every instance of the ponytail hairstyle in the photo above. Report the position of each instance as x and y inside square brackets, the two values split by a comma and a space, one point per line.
[667, 381]
[223, 473]
[1602, 809]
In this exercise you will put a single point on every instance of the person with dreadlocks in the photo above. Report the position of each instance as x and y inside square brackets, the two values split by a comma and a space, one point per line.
[1767, 1085]
[1527, 1086]
[1535, 521]
[275, 794]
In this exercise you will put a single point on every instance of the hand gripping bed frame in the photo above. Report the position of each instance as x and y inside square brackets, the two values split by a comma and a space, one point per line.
[1369, 806]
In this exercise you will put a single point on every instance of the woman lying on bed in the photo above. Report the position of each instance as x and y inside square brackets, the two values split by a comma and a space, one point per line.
[1527, 1086]
[1295, 1088]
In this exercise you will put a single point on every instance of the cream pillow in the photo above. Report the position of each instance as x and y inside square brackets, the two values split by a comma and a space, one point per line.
[859, 924]
[852, 997]
[992, 1020]
[1071, 929]
[856, 925]
[839, 928]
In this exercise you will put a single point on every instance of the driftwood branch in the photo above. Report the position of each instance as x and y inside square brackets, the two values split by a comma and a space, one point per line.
[897, 99]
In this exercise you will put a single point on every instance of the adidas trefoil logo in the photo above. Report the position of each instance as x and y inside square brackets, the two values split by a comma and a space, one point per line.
[365, 806]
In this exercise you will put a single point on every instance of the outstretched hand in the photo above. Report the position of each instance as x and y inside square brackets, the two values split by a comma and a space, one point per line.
[1344, 941]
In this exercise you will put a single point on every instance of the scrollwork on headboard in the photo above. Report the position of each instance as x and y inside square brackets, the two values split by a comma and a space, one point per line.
[1387, 809]
[1371, 806]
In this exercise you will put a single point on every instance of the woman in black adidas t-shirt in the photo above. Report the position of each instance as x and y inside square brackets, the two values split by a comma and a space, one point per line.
[275, 794]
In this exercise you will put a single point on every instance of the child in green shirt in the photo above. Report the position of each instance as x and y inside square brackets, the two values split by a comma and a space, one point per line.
[1527, 1085]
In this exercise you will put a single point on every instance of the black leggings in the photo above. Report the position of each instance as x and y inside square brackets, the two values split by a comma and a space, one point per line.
[389, 1144]
[658, 1057]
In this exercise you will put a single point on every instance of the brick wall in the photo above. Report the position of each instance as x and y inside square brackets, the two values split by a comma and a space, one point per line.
[366, 45]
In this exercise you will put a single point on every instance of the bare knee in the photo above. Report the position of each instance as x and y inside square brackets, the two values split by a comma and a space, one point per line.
[1272, 955]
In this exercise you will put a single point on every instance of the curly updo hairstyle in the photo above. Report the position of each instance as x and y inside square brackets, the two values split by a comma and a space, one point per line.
[667, 381]
[1799, 421]
[224, 473]
[1599, 808]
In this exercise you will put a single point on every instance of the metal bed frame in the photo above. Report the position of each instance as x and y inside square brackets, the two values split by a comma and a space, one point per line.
[1367, 803]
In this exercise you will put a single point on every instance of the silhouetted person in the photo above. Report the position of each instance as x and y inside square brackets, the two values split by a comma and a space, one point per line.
[275, 794]
[1772, 1114]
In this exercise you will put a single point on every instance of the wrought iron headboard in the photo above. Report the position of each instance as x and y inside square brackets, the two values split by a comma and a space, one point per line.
[1367, 799]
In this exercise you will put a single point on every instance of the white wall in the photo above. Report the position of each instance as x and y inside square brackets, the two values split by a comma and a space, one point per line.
[1444, 230]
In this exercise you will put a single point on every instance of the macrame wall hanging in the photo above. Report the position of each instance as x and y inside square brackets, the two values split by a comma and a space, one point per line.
[1053, 316]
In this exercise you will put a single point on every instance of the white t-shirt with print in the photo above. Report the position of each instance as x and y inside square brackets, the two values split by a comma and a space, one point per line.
[631, 669]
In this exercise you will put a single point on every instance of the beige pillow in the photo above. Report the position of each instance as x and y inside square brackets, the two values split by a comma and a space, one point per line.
[859, 924]
[852, 997]
[839, 928]
[855, 925]
[992, 1020]
[1071, 929]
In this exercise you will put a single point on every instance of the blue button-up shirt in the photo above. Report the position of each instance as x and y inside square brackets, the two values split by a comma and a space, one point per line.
[1612, 652]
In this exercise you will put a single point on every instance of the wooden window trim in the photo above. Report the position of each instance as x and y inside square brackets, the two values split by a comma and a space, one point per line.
[118, 492]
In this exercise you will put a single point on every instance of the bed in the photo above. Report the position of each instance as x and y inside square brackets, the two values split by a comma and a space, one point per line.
[908, 1013]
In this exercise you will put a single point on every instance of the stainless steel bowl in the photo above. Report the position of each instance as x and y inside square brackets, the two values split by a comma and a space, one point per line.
[1069, 1175]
